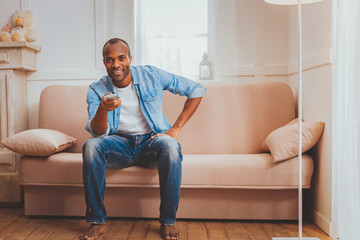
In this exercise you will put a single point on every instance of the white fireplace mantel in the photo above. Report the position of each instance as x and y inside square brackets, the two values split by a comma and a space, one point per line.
[16, 59]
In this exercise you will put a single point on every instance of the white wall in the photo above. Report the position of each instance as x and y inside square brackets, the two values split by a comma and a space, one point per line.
[67, 39]
[317, 100]
[7, 7]
[247, 42]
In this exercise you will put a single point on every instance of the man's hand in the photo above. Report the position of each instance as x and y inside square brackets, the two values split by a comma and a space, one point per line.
[99, 122]
[109, 104]
[172, 132]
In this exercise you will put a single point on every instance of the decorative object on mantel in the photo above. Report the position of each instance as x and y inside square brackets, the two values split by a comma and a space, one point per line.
[16, 58]
[19, 29]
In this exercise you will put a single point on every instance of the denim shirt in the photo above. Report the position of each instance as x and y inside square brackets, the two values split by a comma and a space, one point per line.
[149, 83]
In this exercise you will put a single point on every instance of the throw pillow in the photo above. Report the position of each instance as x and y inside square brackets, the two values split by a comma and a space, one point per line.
[38, 142]
[283, 142]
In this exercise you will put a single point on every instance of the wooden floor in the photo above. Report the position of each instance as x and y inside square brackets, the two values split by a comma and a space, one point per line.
[15, 226]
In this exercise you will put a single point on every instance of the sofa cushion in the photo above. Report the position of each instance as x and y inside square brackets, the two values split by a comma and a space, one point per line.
[38, 142]
[64, 108]
[254, 171]
[283, 142]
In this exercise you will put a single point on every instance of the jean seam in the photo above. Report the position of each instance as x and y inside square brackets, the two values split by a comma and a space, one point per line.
[92, 221]
[167, 222]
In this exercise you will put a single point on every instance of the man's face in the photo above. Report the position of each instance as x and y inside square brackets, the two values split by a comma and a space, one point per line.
[117, 62]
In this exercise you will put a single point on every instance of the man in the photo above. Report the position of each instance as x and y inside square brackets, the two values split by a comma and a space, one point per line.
[132, 130]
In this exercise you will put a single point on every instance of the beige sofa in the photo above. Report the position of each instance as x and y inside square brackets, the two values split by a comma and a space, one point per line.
[226, 175]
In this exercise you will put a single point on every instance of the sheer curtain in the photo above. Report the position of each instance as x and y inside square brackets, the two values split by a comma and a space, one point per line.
[346, 115]
[119, 20]
[172, 35]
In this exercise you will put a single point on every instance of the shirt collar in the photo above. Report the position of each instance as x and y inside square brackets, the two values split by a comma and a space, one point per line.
[134, 74]
[111, 87]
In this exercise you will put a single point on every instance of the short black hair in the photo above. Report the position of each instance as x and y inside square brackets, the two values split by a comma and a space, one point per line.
[116, 40]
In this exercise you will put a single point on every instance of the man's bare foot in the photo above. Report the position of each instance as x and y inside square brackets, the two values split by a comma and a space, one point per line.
[169, 232]
[95, 231]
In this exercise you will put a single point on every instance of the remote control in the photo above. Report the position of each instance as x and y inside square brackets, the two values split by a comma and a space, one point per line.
[111, 96]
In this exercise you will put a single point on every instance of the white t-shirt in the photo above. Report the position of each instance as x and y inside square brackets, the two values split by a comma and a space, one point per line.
[132, 120]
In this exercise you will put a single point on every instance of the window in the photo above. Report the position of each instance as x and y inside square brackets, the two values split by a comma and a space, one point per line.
[171, 34]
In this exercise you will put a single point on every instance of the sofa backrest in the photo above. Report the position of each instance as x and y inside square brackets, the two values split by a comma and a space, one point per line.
[230, 119]
[234, 119]
[64, 108]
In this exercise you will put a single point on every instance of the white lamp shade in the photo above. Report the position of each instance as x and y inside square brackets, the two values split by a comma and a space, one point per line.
[291, 2]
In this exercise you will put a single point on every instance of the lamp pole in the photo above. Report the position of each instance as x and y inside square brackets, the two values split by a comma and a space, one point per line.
[300, 107]
[300, 200]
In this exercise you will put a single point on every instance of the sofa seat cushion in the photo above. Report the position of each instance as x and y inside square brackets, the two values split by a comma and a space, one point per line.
[238, 171]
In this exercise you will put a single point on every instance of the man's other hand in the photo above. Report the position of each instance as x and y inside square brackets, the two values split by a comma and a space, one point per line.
[172, 132]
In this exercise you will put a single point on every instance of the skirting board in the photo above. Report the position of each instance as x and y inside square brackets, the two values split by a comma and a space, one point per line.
[319, 220]
[295, 238]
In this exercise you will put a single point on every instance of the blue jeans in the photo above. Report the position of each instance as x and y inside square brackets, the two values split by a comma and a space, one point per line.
[121, 151]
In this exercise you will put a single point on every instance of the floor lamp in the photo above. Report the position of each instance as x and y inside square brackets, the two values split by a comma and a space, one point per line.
[298, 3]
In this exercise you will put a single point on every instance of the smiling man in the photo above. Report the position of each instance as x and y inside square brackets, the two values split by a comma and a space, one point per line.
[130, 129]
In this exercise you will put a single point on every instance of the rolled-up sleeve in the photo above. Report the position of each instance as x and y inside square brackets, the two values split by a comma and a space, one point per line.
[181, 85]
[89, 129]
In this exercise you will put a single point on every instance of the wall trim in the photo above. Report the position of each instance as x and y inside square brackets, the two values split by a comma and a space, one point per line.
[252, 70]
[25, 4]
[99, 6]
[321, 221]
[259, 32]
[81, 74]
[318, 59]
